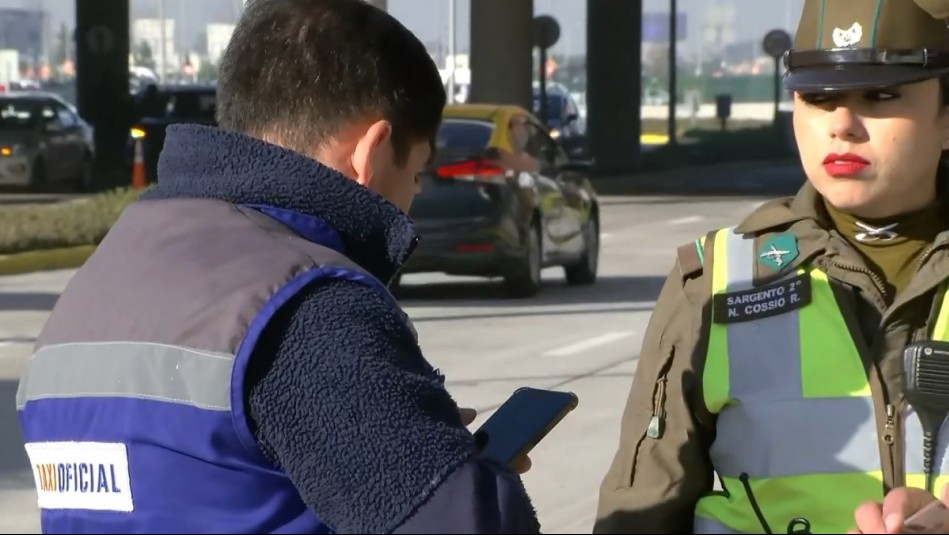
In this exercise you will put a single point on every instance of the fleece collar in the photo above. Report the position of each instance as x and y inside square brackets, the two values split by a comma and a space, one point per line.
[209, 162]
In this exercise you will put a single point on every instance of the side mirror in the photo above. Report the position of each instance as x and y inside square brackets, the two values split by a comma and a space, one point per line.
[572, 117]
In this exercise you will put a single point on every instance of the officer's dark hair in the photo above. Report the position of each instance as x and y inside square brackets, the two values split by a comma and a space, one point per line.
[296, 71]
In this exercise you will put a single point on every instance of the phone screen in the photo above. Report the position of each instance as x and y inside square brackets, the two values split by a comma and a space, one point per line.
[521, 422]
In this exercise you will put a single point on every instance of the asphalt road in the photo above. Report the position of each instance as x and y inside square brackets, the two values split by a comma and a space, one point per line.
[584, 339]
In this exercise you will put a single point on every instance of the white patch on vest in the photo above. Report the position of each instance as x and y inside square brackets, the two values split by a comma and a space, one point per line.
[848, 37]
[81, 475]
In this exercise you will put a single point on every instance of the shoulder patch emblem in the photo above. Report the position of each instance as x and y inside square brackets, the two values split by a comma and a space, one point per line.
[777, 252]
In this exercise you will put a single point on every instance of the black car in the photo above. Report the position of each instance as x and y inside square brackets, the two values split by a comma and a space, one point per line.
[563, 120]
[487, 209]
[160, 106]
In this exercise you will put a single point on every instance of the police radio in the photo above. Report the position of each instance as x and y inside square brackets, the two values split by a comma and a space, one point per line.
[926, 385]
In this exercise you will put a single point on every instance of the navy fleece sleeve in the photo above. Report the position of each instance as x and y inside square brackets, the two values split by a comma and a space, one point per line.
[342, 399]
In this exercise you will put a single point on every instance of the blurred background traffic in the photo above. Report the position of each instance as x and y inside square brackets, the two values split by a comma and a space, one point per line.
[176, 45]
[581, 228]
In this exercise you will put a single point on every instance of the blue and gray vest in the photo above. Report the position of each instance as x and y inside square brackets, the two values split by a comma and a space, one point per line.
[132, 405]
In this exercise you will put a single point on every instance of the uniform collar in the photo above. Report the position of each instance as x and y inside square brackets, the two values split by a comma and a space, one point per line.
[207, 162]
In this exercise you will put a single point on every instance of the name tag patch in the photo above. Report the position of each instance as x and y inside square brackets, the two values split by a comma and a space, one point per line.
[81, 475]
[757, 303]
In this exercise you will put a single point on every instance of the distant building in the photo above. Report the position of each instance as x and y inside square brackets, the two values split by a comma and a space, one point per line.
[149, 31]
[219, 35]
[24, 30]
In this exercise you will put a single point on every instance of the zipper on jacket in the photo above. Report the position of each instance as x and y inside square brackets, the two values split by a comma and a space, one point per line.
[889, 438]
[877, 281]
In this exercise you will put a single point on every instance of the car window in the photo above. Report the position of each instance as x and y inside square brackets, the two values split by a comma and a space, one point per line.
[66, 117]
[463, 134]
[555, 104]
[23, 113]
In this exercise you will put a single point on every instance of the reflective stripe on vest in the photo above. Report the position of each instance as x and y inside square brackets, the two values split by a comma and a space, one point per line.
[794, 411]
[157, 372]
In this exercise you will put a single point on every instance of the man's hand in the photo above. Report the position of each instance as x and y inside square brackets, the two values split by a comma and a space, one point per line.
[468, 415]
[897, 507]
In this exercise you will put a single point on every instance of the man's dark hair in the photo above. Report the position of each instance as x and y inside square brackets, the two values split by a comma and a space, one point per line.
[296, 71]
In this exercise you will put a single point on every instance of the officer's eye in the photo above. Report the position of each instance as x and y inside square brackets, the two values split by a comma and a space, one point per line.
[817, 99]
[881, 95]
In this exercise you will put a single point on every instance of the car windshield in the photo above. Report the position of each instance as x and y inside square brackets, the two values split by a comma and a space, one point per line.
[554, 106]
[22, 113]
[462, 134]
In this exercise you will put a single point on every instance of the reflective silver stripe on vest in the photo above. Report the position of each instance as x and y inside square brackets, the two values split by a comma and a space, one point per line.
[772, 430]
[707, 525]
[129, 369]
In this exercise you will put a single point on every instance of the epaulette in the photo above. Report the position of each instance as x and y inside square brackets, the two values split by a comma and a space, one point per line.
[692, 258]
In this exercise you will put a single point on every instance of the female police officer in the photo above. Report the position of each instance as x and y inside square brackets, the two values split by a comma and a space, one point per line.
[774, 358]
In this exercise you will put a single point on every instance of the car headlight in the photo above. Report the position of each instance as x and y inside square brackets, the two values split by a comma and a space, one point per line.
[555, 133]
[13, 150]
[137, 133]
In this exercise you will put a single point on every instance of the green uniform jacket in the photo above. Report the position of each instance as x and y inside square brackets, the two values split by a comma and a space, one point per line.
[653, 485]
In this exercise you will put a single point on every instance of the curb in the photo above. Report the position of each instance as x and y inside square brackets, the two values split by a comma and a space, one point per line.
[45, 260]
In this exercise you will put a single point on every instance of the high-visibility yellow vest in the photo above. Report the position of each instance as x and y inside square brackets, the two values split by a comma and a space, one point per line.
[795, 418]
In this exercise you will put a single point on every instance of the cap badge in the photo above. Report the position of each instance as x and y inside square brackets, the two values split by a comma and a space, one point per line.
[849, 37]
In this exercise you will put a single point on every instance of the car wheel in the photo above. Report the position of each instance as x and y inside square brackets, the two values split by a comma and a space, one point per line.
[525, 280]
[584, 272]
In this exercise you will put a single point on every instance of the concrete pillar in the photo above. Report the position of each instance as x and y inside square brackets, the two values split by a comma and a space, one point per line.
[614, 70]
[501, 60]
[102, 83]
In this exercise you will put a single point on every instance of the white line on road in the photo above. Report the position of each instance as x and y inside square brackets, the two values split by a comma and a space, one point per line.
[590, 343]
[604, 236]
[686, 220]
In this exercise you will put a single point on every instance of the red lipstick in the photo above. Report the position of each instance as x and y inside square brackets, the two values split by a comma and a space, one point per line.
[844, 165]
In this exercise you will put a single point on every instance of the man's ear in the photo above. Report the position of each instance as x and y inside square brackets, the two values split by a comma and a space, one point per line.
[373, 144]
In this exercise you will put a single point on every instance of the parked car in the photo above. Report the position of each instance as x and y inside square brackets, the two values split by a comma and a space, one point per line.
[169, 104]
[486, 209]
[44, 142]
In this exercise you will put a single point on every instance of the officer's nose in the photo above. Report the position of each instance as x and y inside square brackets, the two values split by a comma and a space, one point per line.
[846, 125]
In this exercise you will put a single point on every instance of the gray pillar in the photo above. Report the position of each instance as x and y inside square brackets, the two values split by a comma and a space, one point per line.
[501, 59]
[102, 83]
[381, 4]
[614, 70]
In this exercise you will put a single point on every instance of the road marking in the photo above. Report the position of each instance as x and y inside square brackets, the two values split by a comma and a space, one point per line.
[590, 343]
[686, 220]
[604, 236]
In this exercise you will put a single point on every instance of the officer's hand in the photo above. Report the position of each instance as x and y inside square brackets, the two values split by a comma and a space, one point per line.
[468, 415]
[890, 516]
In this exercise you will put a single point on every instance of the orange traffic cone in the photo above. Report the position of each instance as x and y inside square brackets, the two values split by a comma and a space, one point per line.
[139, 180]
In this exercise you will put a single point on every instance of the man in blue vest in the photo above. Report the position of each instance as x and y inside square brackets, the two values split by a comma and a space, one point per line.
[229, 360]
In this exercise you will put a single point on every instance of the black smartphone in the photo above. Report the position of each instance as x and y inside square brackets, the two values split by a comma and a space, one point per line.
[521, 422]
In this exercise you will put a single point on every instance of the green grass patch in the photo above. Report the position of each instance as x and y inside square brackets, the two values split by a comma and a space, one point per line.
[76, 223]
